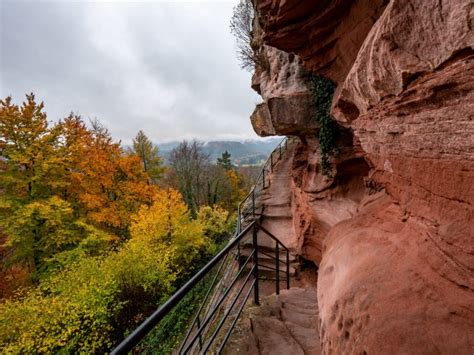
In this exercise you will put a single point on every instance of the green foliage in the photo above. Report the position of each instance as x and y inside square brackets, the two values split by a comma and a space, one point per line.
[69, 199]
[149, 157]
[69, 312]
[167, 337]
[323, 90]
[40, 229]
[225, 161]
[215, 222]
[75, 309]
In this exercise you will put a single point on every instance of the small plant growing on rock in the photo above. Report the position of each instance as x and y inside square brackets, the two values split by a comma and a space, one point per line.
[322, 90]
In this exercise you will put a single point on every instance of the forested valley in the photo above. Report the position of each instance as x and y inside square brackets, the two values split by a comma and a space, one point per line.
[94, 236]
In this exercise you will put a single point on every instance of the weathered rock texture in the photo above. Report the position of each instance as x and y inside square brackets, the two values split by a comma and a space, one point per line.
[326, 34]
[287, 108]
[393, 228]
[282, 325]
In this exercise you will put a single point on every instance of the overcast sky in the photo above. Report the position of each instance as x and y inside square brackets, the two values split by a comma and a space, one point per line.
[168, 68]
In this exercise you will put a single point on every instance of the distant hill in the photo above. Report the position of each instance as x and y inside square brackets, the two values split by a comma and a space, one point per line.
[249, 152]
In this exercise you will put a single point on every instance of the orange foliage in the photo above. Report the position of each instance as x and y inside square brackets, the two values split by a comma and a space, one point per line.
[109, 185]
[11, 279]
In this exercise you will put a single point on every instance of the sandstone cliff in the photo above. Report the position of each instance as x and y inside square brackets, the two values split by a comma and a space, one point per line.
[391, 227]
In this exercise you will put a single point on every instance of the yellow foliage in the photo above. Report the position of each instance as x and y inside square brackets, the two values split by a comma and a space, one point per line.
[65, 190]
[236, 186]
[73, 310]
[215, 221]
[167, 222]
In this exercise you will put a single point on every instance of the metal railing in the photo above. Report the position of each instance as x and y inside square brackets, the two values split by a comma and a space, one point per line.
[220, 302]
[249, 207]
[215, 320]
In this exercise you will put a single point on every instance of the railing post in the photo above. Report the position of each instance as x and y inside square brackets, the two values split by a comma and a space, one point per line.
[255, 265]
[277, 267]
[238, 252]
[263, 177]
[200, 337]
[253, 203]
[287, 270]
[238, 219]
[286, 144]
[279, 147]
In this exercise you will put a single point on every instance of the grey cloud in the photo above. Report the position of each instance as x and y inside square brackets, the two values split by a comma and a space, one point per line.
[167, 68]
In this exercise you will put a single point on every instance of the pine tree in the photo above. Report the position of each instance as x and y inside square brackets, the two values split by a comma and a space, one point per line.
[225, 161]
[148, 154]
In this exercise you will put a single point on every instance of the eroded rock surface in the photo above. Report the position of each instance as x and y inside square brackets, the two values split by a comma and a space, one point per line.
[392, 228]
[326, 34]
[287, 108]
[385, 286]
[282, 325]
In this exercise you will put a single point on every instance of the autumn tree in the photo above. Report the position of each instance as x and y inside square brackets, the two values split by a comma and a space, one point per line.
[74, 143]
[148, 153]
[189, 165]
[168, 222]
[37, 223]
[28, 149]
[217, 225]
[59, 180]
[238, 189]
[109, 184]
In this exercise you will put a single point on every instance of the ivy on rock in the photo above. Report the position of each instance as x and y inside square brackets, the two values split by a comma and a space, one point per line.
[322, 90]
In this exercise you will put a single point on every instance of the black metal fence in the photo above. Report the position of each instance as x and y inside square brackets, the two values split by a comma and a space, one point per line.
[217, 316]
[232, 277]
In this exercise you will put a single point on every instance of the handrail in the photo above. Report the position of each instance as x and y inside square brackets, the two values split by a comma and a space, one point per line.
[139, 333]
[272, 236]
[207, 323]
[269, 159]
[268, 165]
[143, 329]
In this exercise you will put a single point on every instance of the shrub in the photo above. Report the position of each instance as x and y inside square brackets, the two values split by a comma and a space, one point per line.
[71, 311]
[215, 223]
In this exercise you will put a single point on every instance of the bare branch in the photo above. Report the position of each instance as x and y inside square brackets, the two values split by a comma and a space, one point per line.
[241, 26]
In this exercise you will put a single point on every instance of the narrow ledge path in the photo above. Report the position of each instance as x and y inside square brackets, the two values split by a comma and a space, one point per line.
[285, 324]
[288, 323]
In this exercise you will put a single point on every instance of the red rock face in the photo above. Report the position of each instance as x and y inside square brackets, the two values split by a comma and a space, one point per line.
[386, 287]
[287, 108]
[393, 229]
[326, 34]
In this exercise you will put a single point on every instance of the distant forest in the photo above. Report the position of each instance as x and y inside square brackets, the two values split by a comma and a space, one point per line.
[249, 152]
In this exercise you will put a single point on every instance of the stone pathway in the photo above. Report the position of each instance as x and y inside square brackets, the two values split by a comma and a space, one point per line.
[287, 324]
[276, 218]
[276, 201]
